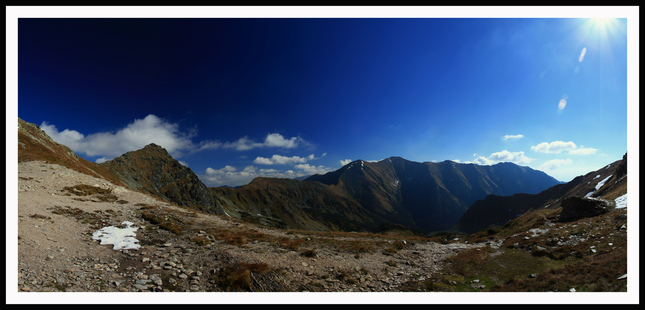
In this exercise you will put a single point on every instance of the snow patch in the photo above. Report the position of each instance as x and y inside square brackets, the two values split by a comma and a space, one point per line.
[596, 177]
[621, 202]
[601, 183]
[121, 238]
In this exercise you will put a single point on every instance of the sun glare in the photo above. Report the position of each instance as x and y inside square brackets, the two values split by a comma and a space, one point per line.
[602, 22]
[604, 26]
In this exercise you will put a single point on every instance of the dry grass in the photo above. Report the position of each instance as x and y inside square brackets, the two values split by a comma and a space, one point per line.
[156, 216]
[588, 255]
[237, 277]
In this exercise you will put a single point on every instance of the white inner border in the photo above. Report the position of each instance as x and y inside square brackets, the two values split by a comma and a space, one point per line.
[15, 12]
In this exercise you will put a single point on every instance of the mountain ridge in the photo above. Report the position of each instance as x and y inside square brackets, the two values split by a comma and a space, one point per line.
[429, 195]
[552, 246]
[491, 211]
[359, 196]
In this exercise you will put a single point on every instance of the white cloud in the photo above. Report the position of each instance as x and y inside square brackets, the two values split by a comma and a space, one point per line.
[309, 169]
[557, 147]
[344, 162]
[271, 140]
[101, 160]
[134, 136]
[282, 160]
[554, 147]
[231, 177]
[227, 168]
[277, 140]
[183, 163]
[555, 163]
[153, 129]
[583, 151]
[503, 156]
[512, 137]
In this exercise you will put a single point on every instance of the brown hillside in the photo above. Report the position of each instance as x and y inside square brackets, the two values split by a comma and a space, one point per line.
[35, 145]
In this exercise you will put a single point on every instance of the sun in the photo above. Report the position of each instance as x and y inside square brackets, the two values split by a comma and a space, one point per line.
[603, 25]
[602, 32]
[602, 22]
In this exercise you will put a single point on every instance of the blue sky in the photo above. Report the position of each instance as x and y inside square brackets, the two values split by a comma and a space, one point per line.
[237, 98]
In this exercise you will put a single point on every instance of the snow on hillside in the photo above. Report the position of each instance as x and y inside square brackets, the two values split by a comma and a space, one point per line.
[599, 185]
[621, 202]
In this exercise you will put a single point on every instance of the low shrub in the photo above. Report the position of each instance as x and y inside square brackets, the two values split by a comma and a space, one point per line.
[308, 253]
[236, 277]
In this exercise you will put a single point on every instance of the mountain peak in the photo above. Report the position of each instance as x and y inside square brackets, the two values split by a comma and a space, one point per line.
[152, 146]
[153, 170]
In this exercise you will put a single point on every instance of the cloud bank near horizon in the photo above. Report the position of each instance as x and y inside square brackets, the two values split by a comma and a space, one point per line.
[153, 129]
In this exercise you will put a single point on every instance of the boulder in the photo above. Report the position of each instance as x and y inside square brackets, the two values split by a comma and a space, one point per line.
[575, 208]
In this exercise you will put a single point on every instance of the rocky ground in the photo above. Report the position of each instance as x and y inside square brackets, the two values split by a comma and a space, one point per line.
[187, 251]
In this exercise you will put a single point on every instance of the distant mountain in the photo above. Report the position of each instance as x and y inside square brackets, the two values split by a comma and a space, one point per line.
[152, 170]
[495, 210]
[429, 196]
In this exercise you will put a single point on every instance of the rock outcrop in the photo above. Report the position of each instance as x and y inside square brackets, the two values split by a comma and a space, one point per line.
[152, 170]
[575, 208]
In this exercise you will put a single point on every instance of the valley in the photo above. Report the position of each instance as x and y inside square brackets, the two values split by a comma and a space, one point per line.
[367, 227]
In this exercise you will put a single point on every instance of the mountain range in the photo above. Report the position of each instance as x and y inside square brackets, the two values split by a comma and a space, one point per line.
[360, 196]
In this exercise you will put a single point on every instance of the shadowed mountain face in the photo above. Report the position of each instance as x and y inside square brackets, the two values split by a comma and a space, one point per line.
[429, 196]
[495, 210]
[154, 171]
[288, 203]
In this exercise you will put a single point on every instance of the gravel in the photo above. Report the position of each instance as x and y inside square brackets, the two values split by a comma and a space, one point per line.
[56, 252]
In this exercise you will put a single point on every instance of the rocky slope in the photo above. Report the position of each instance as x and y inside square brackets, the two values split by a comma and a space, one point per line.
[152, 170]
[429, 196]
[288, 203]
[187, 250]
[608, 182]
